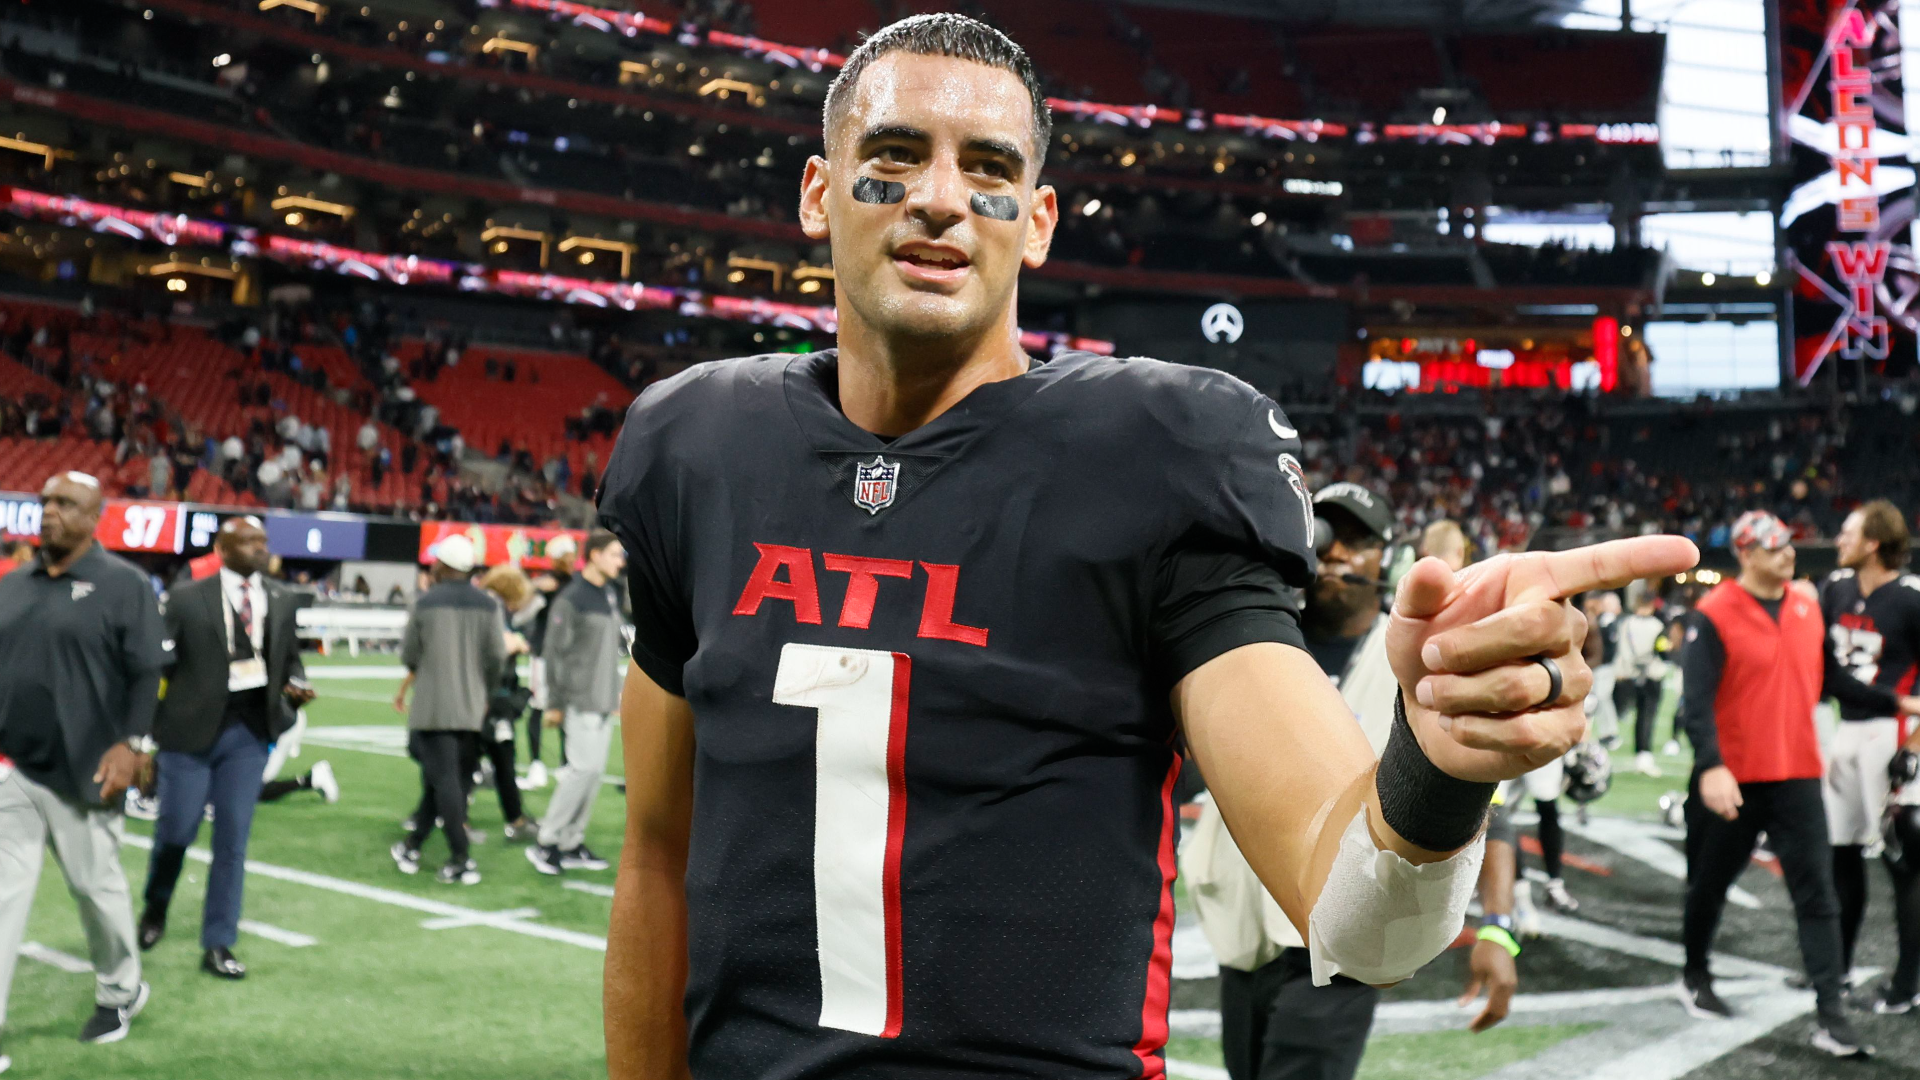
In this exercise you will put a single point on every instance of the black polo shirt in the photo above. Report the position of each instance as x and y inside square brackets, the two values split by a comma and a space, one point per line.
[80, 662]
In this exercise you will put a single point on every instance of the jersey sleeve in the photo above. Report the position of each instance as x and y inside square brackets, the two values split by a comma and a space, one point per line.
[1230, 578]
[638, 502]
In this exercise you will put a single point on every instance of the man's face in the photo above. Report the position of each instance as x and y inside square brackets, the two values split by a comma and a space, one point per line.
[930, 265]
[1357, 552]
[1852, 547]
[1452, 550]
[69, 510]
[243, 547]
[1770, 567]
[609, 560]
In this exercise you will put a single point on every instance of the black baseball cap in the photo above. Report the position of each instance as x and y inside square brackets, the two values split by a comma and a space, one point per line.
[1371, 510]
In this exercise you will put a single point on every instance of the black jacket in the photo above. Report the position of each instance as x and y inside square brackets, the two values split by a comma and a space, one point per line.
[195, 702]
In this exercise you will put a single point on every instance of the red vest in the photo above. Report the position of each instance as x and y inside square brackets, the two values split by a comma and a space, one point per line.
[1773, 677]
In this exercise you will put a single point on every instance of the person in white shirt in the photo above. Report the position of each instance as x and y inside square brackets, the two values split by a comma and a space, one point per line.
[1640, 675]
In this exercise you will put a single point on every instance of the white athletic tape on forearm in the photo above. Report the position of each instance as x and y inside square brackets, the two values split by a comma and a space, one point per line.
[1380, 918]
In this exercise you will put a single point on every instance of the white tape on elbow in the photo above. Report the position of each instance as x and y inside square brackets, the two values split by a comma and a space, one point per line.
[1380, 918]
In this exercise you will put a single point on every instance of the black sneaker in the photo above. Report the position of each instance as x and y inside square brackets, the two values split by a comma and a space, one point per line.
[545, 858]
[110, 1023]
[1834, 1033]
[459, 873]
[581, 858]
[404, 857]
[1696, 993]
[1888, 1003]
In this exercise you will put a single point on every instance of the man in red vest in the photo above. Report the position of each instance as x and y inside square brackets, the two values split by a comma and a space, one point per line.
[1755, 663]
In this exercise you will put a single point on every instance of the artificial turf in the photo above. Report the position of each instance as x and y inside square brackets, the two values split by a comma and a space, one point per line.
[379, 995]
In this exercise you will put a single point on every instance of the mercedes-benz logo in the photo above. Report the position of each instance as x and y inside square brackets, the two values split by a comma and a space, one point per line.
[1222, 324]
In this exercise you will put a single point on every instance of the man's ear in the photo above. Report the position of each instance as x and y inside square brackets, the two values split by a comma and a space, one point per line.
[813, 198]
[1042, 219]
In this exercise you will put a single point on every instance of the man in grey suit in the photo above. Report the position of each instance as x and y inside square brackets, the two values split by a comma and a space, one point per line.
[235, 683]
[586, 659]
[455, 651]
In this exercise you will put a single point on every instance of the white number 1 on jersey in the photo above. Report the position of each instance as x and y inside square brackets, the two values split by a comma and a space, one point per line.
[859, 817]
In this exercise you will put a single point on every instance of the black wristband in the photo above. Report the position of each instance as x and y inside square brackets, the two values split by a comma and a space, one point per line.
[1426, 806]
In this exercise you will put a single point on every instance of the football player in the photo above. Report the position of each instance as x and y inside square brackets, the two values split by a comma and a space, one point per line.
[1872, 610]
[921, 624]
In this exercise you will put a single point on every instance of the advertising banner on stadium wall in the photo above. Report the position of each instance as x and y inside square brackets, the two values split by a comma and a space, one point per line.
[1847, 223]
[522, 545]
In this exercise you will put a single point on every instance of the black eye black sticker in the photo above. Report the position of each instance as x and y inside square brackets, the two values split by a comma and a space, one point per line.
[868, 190]
[998, 207]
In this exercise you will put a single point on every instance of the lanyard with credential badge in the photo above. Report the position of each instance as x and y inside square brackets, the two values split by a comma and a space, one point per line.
[251, 673]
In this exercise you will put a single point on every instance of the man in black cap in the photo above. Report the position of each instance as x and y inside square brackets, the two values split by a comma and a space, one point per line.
[81, 651]
[1274, 1023]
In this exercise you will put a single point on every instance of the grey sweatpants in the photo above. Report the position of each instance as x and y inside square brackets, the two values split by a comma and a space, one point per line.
[86, 844]
[565, 824]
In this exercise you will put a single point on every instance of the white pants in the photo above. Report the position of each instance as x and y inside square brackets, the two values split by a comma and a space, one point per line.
[1545, 783]
[1856, 784]
[577, 783]
[86, 844]
[287, 746]
[1603, 721]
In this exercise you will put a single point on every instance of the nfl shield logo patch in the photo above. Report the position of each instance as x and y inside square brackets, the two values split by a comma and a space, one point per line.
[874, 484]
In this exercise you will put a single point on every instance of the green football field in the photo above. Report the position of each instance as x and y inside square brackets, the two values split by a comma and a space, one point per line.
[359, 972]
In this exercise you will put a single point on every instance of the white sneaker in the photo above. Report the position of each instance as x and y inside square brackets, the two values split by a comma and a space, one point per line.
[324, 782]
[1526, 917]
[1561, 900]
[140, 807]
[536, 777]
[1672, 749]
[1644, 764]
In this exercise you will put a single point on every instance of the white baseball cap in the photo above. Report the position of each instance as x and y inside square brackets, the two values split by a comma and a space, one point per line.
[455, 553]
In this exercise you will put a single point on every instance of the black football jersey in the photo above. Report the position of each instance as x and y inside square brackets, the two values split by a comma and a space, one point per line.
[933, 833]
[1877, 636]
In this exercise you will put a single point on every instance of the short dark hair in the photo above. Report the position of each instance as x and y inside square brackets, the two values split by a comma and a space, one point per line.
[597, 541]
[1882, 522]
[945, 34]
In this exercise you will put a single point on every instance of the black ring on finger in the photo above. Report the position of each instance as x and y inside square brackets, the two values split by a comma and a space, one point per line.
[1555, 682]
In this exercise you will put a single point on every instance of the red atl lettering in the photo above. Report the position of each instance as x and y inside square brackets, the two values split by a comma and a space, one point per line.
[863, 584]
[863, 589]
[799, 588]
[936, 614]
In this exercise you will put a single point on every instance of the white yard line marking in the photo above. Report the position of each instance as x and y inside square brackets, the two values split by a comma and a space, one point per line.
[1704, 1040]
[1647, 843]
[292, 939]
[1665, 952]
[393, 898]
[356, 671]
[33, 950]
[386, 740]
[355, 695]
[479, 918]
[1192, 953]
[1190, 1070]
[1205, 1023]
[589, 887]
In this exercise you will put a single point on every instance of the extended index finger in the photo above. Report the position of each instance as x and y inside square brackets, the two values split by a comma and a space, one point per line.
[1609, 565]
